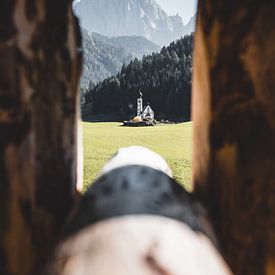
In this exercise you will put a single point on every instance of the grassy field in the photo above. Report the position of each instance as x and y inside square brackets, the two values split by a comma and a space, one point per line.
[173, 142]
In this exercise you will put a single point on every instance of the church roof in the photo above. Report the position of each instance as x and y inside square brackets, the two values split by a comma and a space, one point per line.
[146, 108]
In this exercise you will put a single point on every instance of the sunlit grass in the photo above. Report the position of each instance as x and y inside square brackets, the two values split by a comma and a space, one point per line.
[173, 142]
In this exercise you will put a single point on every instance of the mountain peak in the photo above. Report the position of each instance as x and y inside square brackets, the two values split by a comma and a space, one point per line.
[129, 17]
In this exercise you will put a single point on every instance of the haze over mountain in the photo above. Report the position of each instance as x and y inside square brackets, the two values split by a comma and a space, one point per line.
[104, 56]
[131, 17]
[136, 45]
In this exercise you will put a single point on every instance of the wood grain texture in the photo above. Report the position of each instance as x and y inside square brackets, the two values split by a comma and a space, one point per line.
[234, 152]
[39, 68]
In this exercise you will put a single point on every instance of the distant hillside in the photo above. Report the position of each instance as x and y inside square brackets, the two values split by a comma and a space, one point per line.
[136, 45]
[105, 56]
[164, 78]
[131, 17]
[101, 59]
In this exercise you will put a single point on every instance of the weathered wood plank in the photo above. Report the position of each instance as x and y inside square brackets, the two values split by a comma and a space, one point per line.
[39, 72]
[233, 112]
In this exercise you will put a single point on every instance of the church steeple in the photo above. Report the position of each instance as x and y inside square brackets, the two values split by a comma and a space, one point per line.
[139, 103]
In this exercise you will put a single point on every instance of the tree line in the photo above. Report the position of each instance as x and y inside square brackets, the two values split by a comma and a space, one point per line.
[164, 79]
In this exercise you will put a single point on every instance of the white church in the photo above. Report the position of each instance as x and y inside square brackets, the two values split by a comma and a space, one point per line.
[145, 113]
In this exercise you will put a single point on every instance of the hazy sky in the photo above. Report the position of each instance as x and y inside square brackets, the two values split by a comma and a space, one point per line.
[185, 8]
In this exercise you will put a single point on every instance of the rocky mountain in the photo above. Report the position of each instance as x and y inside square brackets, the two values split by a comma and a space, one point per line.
[190, 26]
[130, 17]
[105, 56]
[101, 59]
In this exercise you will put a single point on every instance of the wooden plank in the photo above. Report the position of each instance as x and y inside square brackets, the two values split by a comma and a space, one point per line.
[234, 135]
[39, 72]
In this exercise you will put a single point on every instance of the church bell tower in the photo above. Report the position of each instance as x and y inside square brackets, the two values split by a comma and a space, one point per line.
[139, 104]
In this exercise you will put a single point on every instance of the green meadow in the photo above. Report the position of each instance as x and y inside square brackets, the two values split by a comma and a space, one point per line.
[173, 142]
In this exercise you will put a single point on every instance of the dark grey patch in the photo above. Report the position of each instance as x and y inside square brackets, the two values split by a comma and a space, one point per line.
[15, 131]
[107, 190]
[4, 194]
[7, 102]
[31, 9]
[165, 198]
[4, 186]
[56, 30]
[7, 29]
[3, 262]
[155, 183]
[143, 171]
[93, 197]
[26, 211]
[125, 185]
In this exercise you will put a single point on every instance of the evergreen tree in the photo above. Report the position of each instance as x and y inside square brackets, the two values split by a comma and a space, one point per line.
[164, 78]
